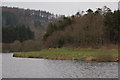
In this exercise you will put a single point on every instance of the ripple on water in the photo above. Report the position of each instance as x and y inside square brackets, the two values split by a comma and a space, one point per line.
[43, 68]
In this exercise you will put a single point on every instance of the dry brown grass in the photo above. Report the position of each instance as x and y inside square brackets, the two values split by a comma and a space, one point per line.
[107, 55]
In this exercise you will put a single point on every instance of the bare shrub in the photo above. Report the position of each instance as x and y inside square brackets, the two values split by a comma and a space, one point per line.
[31, 45]
[16, 46]
[5, 47]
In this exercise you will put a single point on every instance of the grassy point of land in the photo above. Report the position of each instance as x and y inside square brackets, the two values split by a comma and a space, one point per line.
[73, 54]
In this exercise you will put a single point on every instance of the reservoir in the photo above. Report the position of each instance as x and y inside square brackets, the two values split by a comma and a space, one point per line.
[43, 68]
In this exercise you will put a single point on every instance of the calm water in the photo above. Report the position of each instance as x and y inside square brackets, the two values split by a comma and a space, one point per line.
[0, 65]
[43, 68]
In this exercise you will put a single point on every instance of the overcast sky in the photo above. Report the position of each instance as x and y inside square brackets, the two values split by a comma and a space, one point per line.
[63, 8]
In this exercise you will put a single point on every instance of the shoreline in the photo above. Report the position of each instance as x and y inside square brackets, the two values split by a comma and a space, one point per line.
[70, 54]
[62, 59]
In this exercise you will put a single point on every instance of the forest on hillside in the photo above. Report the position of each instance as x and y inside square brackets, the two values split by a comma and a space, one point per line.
[93, 29]
[36, 20]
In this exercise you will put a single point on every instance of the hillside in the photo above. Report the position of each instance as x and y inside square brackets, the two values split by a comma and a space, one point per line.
[35, 19]
[93, 29]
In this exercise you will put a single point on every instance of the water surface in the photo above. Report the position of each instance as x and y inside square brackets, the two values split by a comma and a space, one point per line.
[43, 68]
[0, 66]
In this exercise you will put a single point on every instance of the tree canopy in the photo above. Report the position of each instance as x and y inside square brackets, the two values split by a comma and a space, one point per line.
[12, 33]
[93, 29]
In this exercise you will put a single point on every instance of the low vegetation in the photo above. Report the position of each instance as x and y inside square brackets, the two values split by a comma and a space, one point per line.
[72, 54]
[17, 46]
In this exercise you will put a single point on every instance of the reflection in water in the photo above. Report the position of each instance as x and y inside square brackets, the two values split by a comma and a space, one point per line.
[43, 68]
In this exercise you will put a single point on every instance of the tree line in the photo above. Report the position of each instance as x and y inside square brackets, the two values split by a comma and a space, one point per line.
[36, 20]
[93, 29]
[12, 33]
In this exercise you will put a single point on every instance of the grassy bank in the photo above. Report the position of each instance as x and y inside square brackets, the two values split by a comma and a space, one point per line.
[72, 54]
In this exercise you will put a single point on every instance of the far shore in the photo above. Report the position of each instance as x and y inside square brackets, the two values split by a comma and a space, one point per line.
[72, 54]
